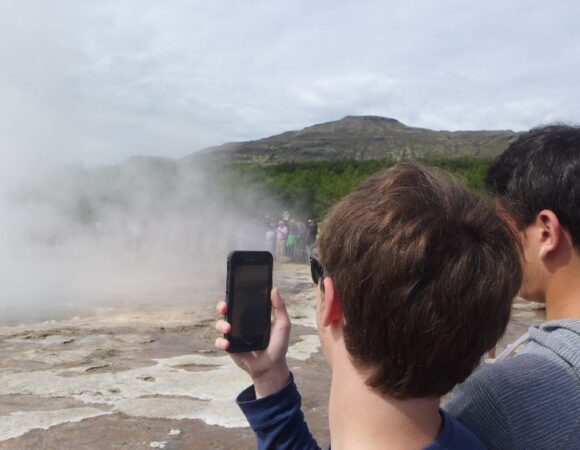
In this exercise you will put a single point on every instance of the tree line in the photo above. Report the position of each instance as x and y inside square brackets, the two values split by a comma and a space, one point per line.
[309, 189]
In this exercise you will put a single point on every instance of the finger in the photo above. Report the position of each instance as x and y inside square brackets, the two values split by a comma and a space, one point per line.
[222, 326]
[279, 306]
[222, 308]
[222, 344]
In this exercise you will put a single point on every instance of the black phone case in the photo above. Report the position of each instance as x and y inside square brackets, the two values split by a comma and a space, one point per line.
[235, 345]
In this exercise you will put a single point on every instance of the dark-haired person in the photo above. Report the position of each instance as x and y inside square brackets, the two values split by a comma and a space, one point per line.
[414, 283]
[532, 400]
[311, 235]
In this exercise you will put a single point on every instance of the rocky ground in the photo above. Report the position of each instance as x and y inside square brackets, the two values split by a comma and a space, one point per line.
[149, 377]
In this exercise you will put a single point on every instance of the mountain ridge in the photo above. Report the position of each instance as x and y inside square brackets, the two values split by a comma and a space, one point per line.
[359, 138]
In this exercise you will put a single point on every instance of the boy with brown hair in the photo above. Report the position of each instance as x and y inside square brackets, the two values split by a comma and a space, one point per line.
[415, 281]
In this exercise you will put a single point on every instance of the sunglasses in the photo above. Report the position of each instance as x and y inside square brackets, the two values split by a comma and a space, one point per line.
[316, 270]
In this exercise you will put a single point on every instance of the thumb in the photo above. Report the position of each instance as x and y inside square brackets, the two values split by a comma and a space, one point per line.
[280, 312]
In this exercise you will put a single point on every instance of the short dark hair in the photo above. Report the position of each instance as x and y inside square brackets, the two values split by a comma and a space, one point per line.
[426, 272]
[541, 170]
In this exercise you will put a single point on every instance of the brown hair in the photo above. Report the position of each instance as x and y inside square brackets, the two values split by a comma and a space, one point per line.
[425, 271]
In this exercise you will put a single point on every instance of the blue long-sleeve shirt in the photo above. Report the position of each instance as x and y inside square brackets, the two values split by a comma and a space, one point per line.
[278, 423]
[277, 419]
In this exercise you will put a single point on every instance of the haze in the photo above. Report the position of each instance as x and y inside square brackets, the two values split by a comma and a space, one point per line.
[86, 84]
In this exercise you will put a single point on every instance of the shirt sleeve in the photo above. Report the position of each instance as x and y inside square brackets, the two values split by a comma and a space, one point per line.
[277, 419]
[476, 406]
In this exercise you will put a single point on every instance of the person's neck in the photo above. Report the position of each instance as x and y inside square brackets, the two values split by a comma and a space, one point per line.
[563, 291]
[362, 418]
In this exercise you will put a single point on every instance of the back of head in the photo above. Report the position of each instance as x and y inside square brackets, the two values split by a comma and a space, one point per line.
[425, 272]
[541, 170]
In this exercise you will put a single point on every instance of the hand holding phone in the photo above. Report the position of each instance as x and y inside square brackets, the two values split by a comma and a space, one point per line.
[268, 367]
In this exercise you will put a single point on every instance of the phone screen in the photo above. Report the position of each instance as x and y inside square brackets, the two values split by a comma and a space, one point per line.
[250, 318]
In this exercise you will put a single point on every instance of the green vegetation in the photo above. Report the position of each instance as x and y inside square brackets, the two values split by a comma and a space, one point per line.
[308, 189]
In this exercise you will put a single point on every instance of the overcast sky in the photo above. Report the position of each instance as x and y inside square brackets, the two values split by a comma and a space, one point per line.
[99, 81]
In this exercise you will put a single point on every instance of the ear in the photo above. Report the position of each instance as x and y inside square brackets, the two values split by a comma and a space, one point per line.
[331, 307]
[549, 232]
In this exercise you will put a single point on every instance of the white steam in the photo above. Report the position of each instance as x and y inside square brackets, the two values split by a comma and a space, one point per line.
[146, 232]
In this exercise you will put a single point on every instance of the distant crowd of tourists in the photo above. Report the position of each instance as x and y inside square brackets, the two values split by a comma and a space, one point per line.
[291, 240]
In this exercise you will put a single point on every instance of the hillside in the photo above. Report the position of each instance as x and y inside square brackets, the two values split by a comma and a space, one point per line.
[303, 171]
[360, 138]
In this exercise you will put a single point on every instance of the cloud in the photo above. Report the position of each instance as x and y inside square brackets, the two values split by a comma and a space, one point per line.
[98, 82]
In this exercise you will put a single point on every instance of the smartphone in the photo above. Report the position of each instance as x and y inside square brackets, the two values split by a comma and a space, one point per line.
[248, 287]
